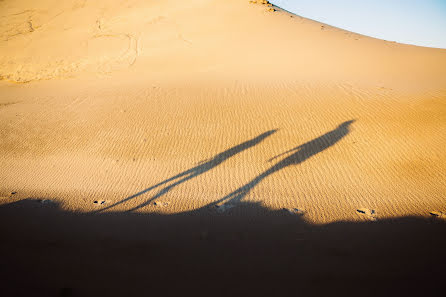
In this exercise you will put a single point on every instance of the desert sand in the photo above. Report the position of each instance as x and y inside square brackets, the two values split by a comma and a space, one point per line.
[125, 110]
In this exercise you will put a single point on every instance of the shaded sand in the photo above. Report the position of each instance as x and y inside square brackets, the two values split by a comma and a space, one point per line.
[111, 109]
[252, 252]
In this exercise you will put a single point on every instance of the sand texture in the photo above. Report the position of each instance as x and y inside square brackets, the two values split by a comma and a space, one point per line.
[200, 108]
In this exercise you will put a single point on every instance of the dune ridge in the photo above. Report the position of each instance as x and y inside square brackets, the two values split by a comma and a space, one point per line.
[52, 39]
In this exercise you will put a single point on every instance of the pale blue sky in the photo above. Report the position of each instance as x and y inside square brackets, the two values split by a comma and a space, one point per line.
[419, 22]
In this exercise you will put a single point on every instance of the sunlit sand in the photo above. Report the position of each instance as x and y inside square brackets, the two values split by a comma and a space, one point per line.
[205, 107]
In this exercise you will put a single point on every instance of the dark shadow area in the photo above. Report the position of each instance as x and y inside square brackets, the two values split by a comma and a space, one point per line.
[184, 176]
[298, 155]
[246, 251]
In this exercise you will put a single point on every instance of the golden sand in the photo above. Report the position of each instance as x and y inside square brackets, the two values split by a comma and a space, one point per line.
[199, 103]
[216, 148]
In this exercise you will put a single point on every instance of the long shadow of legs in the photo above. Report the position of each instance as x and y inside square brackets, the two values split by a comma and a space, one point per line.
[299, 155]
[184, 176]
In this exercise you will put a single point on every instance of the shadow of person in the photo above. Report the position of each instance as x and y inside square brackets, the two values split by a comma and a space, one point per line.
[201, 168]
[298, 155]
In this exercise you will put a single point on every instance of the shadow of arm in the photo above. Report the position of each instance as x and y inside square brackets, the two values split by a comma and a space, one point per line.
[284, 153]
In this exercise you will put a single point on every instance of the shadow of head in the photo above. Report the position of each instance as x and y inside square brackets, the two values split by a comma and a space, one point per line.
[346, 124]
[264, 135]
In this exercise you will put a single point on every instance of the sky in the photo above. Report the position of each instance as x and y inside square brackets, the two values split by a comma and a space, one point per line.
[419, 22]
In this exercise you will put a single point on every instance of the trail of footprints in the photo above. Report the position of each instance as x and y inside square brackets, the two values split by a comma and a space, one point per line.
[156, 203]
[263, 2]
[368, 214]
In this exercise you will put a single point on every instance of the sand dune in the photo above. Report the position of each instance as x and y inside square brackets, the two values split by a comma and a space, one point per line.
[123, 95]
[173, 106]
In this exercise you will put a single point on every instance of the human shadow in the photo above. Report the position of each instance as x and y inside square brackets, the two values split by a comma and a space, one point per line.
[299, 154]
[202, 167]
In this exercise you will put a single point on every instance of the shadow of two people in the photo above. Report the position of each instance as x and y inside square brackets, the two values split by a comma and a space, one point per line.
[295, 156]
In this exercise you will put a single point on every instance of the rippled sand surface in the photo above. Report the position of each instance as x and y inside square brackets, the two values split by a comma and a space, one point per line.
[203, 107]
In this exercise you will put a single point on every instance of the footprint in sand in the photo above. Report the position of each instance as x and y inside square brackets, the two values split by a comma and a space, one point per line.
[46, 201]
[223, 207]
[295, 211]
[100, 202]
[438, 214]
[370, 214]
[9, 195]
[161, 203]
